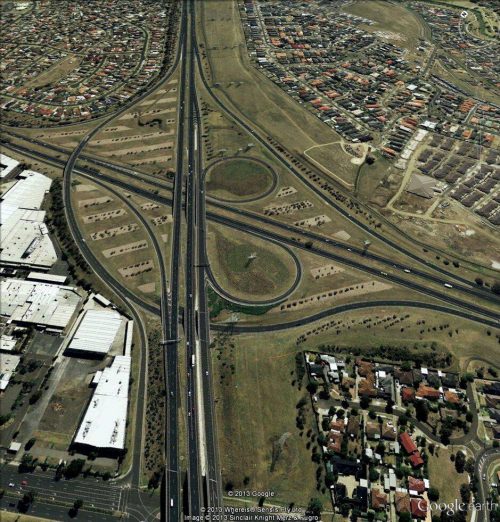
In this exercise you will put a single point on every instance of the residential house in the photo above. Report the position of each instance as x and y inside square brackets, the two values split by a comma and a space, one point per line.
[378, 499]
[402, 502]
[418, 508]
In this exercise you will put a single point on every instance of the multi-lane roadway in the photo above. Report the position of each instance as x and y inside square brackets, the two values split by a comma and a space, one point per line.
[188, 193]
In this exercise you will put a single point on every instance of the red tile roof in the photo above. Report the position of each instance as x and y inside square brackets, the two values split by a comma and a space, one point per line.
[407, 443]
[427, 392]
[379, 499]
[335, 442]
[416, 460]
[415, 484]
[408, 394]
[418, 507]
[451, 397]
[402, 501]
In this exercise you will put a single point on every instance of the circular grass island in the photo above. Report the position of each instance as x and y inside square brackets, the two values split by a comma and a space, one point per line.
[249, 269]
[239, 180]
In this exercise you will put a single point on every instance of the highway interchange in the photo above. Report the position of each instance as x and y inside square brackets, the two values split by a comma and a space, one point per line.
[203, 488]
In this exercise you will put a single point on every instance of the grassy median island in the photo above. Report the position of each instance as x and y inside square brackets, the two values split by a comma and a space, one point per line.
[238, 179]
[247, 267]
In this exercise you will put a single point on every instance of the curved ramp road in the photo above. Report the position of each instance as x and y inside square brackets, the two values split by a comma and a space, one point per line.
[468, 287]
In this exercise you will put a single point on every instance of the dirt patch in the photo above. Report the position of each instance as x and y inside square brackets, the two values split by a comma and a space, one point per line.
[136, 269]
[316, 221]
[125, 249]
[112, 232]
[93, 202]
[147, 288]
[102, 216]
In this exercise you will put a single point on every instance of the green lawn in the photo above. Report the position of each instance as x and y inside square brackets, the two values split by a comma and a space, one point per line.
[238, 178]
[268, 274]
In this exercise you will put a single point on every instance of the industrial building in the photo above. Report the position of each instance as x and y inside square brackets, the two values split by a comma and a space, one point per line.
[8, 365]
[104, 423]
[7, 343]
[25, 237]
[42, 304]
[7, 165]
[95, 333]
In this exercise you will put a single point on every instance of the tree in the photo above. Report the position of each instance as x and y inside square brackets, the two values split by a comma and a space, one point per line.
[374, 474]
[421, 411]
[465, 493]
[74, 468]
[312, 387]
[433, 494]
[29, 444]
[314, 508]
[469, 465]
[4, 419]
[406, 366]
[495, 287]
[364, 402]
[330, 479]
[76, 506]
[25, 502]
[35, 397]
[460, 462]
[405, 517]
[27, 464]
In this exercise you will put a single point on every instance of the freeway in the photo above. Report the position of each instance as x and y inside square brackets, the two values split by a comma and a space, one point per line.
[171, 509]
[206, 413]
[468, 287]
[195, 436]
[446, 295]
[471, 287]
[322, 191]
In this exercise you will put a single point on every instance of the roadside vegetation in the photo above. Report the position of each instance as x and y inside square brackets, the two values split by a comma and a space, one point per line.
[155, 411]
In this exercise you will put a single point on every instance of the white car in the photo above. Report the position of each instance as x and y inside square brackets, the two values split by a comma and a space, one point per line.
[11, 485]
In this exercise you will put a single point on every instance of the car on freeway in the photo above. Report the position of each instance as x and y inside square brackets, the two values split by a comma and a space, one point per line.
[12, 485]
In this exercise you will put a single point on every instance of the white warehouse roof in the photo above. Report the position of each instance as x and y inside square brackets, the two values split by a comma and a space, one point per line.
[96, 332]
[103, 425]
[37, 303]
[25, 238]
[7, 165]
[8, 365]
